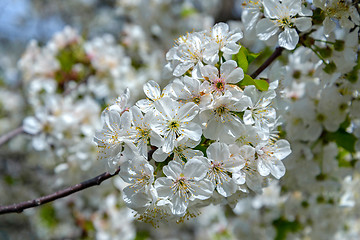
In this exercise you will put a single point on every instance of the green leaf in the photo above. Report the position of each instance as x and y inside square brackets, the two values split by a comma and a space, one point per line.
[48, 216]
[66, 60]
[252, 56]
[142, 235]
[260, 84]
[187, 11]
[284, 226]
[343, 159]
[247, 80]
[241, 59]
[343, 139]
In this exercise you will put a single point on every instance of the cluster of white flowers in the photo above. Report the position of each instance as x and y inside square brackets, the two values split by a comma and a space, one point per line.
[277, 21]
[209, 137]
[67, 83]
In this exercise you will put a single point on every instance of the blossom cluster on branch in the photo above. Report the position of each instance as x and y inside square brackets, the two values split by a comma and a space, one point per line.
[215, 139]
[236, 96]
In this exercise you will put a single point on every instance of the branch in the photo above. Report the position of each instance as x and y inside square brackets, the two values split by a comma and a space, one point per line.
[19, 207]
[273, 56]
[8, 136]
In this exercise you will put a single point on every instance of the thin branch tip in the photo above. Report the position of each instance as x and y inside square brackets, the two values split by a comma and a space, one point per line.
[20, 207]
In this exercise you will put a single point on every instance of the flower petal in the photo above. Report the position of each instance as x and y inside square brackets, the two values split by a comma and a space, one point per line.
[288, 38]
[266, 28]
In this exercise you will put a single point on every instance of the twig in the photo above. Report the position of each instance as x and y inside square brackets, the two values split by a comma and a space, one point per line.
[19, 207]
[273, 56]
[8, 136]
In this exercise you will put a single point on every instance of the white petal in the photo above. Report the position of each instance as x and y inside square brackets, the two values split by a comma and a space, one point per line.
[180, 204]
[329, 26]
[239, 177]
[32, 125]
[265, 29]
[227, 67]
[288, 38]
[241, 104]
[209, 72]
[218, 151]
[145, 105]
[303, 23]
[135, 200]
[253, 181]
[220, 29]
[283, 149]
[262, 168]
[294, 6]
[277, 168]
[236, 36]
[167, 107]
[39, 142]
[247, 118]
[203, 189]
[192, 131]
[169, 142]
[152, 90]
[159, 155]
[173, 170]
[231, 48]
[187, 112]
[196, 168]
[272, 9]
[226, 187]
[182, 68]
[163, 186]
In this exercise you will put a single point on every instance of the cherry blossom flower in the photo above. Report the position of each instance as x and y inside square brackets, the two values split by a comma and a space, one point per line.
[184, 183]
[283, 16]
[173, 120]
[220, 166]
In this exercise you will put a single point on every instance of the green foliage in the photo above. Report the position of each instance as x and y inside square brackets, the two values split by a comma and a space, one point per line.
[68, 57]
[204, 144]
[187, 11]
[48, 217]
[241, 59]
[346, 141]
[223, 235]
[142, 235]
[260, 84]
[339, 45]
[284, 226]
[343, 139]
[318, 16]
[9, 180]
[342, 158]
[354, 74]
[325, 52]
[2, 82]
[244, 58]
[252, 56]
[330, 68]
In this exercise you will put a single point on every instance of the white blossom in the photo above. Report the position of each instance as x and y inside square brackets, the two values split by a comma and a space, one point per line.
[184, 183]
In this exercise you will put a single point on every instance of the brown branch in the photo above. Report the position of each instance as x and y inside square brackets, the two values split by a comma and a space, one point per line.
[19, 207]
[8, 136]
[273, 56]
